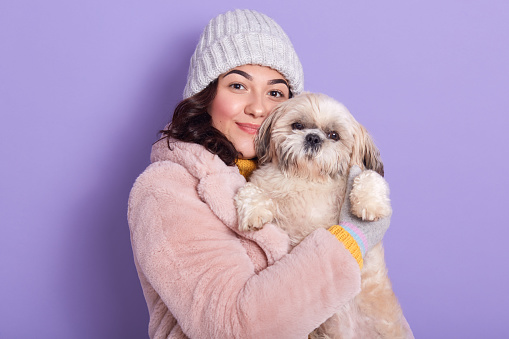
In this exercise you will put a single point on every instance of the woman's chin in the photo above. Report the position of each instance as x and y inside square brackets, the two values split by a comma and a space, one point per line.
[245, 146]
[246, 153]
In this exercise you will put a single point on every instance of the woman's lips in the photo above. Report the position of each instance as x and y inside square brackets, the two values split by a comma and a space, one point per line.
[248, 128]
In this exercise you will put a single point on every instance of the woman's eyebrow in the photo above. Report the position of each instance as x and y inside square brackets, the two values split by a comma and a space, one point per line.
[250, 77]
[278, 81]
[238, 71]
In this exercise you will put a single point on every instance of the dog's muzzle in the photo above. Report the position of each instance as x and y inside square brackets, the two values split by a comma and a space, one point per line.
[313, 142]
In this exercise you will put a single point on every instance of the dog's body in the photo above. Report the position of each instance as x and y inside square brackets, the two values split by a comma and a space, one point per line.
[305, 149]
[298, 210]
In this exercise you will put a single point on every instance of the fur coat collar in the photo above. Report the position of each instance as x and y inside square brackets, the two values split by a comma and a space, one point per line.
[217, 185]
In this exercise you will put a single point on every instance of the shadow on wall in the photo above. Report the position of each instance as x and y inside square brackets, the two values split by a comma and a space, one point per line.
[103, 294]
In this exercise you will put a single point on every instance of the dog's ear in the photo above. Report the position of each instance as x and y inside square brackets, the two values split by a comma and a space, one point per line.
[365, 154]
[265, 150]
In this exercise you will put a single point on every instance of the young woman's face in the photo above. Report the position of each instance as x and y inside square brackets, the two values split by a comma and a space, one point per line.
[245, 96]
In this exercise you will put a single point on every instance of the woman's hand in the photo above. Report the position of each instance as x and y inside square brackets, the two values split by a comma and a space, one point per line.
[372, 195]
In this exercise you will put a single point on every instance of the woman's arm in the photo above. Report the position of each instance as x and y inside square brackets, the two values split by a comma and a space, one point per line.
[203, 274]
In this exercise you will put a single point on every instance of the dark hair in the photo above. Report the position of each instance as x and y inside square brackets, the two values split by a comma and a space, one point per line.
[192, 123]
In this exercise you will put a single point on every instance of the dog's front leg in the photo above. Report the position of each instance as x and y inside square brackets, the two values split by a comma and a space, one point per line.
[254, 207]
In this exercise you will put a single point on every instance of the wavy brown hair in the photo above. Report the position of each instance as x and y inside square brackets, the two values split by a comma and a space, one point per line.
[192, 123]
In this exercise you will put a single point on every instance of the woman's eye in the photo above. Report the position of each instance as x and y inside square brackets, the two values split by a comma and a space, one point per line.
[237, 86]
[333, 135]
[277, 94]
[297, 125]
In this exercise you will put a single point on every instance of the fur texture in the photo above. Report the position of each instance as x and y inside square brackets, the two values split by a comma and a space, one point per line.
[305, 149]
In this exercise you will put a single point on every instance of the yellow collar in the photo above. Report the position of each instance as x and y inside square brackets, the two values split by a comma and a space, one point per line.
[246, 166]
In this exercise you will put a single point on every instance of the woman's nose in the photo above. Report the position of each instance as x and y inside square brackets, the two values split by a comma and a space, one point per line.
[256, 107]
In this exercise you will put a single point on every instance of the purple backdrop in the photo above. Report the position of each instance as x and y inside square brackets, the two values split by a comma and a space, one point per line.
[85, 86]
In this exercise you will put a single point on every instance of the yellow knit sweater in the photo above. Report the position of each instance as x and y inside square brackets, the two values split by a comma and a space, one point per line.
[246, 166]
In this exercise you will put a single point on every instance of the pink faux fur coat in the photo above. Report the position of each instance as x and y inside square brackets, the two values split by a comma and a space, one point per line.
[204, 279]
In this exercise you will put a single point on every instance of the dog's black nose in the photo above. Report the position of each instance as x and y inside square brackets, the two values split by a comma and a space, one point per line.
[313, 140]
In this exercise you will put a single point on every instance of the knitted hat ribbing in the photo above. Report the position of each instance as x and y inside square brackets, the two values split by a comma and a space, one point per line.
[242, 37]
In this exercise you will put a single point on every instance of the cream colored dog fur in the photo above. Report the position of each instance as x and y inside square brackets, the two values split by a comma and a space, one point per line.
[305, 149]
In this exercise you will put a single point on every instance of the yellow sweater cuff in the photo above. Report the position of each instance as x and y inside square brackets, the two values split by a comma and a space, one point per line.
[349, 242]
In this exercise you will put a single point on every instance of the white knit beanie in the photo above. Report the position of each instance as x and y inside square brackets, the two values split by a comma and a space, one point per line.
[242, 37]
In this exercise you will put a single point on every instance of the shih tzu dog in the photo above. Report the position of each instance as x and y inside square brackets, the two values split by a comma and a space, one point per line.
[305, 149]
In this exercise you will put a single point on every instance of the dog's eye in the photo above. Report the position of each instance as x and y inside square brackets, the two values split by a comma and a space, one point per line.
[333, 135]
[297, 125]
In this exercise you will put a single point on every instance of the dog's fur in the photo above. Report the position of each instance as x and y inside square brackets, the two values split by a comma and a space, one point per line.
[305, 149]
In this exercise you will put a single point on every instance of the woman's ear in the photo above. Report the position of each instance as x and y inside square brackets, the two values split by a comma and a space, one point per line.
[365, 154]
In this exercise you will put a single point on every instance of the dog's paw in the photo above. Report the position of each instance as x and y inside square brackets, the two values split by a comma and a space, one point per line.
[253, 208]
[369, 197]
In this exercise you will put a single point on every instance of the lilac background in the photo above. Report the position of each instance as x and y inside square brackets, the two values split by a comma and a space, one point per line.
[85, 86]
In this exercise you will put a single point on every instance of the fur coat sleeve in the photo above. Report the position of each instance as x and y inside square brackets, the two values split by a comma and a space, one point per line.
[203, 279]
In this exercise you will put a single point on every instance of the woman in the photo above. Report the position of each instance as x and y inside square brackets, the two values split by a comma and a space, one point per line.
[201, 277]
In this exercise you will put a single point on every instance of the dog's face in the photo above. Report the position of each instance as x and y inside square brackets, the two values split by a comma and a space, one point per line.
[316, 137]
